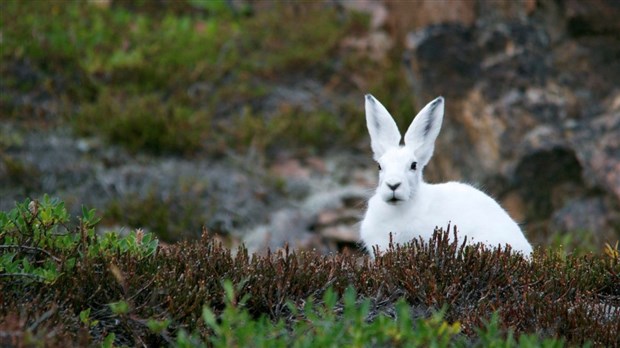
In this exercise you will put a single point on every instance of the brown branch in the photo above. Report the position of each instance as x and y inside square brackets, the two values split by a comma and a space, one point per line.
[42, 318]
[28, 275]
[23, 247]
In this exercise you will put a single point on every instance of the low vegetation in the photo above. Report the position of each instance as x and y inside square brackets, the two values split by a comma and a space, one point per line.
[63, 284]
[191, 76]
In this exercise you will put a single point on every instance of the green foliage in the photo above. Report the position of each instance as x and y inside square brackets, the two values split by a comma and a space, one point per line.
[288, 128]
[195, 76]
[120, 307]
[9, 264]
[135, 243]
[323, 326]
[86, 319]
[491, 336]
[144, 123]
[345, 322]
[108, 342]
[38, 245]
[284, 45]
[158, 326]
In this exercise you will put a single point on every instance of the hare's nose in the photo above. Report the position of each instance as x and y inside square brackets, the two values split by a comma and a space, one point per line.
[393, 187]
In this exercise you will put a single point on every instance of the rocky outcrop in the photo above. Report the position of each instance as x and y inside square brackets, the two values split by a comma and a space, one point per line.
[532, 108]
[173, 197]
[326, 219]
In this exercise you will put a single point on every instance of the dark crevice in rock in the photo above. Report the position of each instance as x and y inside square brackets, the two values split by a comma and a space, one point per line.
[540, 173]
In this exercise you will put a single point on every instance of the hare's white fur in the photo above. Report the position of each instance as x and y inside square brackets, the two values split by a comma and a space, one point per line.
[406, 207]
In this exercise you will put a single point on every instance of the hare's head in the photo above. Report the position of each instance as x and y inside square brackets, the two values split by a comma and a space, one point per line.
[400, 166]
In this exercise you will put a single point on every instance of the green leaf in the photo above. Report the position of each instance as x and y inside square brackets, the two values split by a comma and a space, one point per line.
[108, 342]
[210, 320]
[229, 291]
[157, 326]
[85, 316]
[120, 307]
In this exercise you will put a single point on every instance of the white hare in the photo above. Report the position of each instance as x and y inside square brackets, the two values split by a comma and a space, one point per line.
[407, 207]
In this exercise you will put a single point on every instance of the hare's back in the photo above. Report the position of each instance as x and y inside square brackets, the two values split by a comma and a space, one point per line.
[476, 215]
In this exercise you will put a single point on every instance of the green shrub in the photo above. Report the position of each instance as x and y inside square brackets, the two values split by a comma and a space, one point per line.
[38, 244]
[290, 128]
[145, 123]
[345, 322]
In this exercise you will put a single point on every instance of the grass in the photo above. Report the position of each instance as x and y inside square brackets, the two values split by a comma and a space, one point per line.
[145, 122]
[65, 285]
[189, 78]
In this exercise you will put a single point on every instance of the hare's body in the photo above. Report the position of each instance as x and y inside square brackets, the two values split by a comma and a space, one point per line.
[406, 207]
[477, 216]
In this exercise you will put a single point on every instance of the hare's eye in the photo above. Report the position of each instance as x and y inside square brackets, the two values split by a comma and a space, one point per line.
[378, 165]
[414, 165]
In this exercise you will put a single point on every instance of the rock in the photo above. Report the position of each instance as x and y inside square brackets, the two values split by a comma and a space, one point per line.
[377, 42]
[327, 217]
[341, 233]
[597, 143]
[379, 14]
[406, 16]
[325, 221]
[286, 226]
[531, 113]
[444, 46]
[375, 45]
[223, 196]
[290, 168]
[513, 202]
[588, 214]
[596, 17]
[339, 225]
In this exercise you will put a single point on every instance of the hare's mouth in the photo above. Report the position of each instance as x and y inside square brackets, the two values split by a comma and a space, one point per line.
[394, 200]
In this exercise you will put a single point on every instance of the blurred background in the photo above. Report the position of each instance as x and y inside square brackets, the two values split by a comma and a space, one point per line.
[246, 117]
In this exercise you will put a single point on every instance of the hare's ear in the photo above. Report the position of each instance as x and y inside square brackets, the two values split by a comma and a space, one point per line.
[424, 129]
[383, 131]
